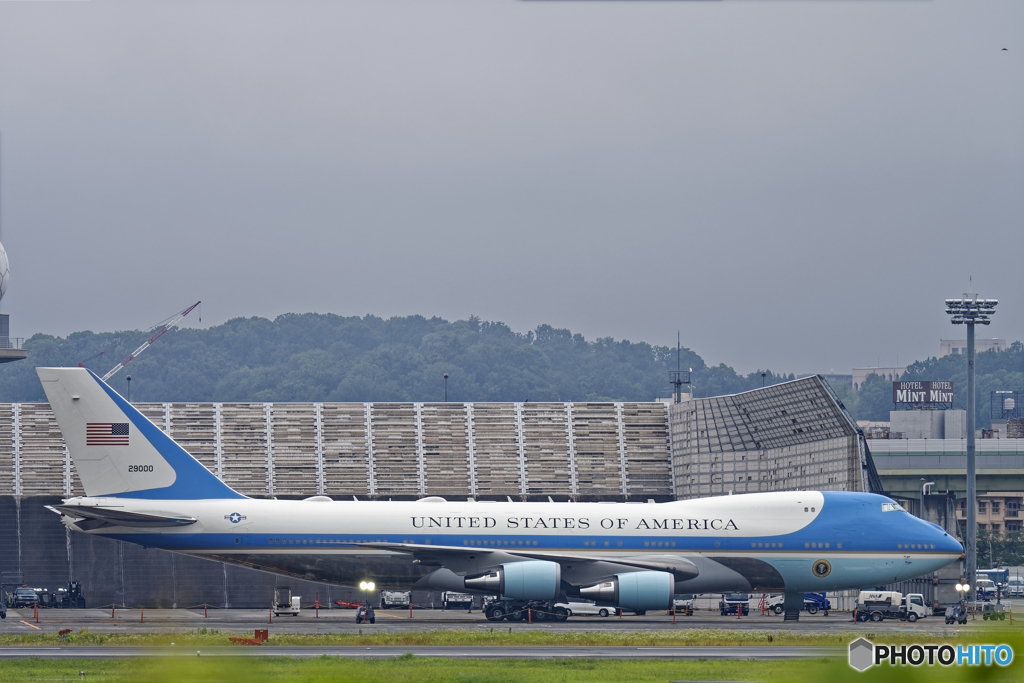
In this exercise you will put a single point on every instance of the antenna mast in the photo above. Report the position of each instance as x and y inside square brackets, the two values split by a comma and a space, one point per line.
[679, 377]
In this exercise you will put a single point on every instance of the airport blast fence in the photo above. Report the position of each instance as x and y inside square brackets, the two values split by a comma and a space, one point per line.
[588, 451]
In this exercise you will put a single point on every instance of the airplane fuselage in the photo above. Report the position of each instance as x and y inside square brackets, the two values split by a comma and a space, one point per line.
[793, 541]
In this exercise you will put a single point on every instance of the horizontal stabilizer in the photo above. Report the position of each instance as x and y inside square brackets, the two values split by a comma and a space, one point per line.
[92, 517]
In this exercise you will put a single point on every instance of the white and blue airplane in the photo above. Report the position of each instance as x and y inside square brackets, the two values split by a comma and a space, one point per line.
[142, 487]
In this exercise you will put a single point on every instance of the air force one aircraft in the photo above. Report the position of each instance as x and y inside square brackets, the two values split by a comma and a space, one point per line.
[143, 488]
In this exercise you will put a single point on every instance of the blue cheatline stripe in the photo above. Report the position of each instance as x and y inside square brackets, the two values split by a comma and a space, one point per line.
[294, 541]
[193, 481]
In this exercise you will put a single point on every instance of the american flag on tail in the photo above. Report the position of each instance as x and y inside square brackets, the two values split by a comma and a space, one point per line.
[106, 434]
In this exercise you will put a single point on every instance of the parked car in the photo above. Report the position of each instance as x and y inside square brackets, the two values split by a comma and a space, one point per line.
[24, 597]
[584, 609]
[1015, 587]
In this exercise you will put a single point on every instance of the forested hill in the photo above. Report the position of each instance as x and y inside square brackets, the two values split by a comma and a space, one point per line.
[317, 357]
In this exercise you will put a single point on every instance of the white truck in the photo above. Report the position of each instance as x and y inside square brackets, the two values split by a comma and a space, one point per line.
[881, 605]
[452, 600]
[394, 599]
[285, 603]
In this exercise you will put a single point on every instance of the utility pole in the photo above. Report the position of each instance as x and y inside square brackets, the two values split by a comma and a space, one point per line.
[971, 311]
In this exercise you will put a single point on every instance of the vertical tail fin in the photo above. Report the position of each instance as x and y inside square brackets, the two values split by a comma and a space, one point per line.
[116, 450]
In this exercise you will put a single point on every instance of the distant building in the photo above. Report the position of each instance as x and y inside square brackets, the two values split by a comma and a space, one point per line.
[998, 511]
[958, 346]
[890, 374]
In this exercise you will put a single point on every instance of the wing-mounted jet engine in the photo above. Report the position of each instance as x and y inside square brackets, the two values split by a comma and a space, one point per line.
[634, 591]
[529, 580]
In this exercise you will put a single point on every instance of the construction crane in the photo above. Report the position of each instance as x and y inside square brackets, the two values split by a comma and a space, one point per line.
[171, 322]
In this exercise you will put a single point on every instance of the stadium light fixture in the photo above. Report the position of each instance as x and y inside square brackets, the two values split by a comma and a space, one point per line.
[971, 311]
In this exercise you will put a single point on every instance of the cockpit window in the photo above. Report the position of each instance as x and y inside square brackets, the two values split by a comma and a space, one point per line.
[891, 507]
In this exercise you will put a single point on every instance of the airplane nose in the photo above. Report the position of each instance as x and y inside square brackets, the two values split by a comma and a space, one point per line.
[947, 543]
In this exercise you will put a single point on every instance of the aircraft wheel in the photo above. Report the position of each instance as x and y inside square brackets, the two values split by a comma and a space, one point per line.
[561, 614]
[495, 613]
[602, 612]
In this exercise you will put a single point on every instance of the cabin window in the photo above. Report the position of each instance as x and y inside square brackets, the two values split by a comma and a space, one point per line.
[891, 507]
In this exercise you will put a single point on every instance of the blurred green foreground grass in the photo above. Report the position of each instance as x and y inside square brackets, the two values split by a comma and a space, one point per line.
[407, 667]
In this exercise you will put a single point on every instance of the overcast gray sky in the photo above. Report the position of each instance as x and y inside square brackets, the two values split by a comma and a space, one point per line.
[795, 185]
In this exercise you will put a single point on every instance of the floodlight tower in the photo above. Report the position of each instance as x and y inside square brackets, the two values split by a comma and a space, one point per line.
[971, 311]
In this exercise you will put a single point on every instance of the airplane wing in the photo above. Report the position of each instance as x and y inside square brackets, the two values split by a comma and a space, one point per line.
[438, 555]
[89, 517]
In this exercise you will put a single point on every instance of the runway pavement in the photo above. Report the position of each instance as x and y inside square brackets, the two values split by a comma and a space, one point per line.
[448, 652]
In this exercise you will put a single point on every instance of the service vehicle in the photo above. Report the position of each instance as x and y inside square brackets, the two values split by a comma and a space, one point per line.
[813, 603]
[1015, 587]
[453, 600]
[365, 614]
[683, 604]
[985, 589]
[882, 605]
[956, 613]
[394, 599]
[999, 576]
[733, 602]
[71, 596]
[993, 611]
[285, 603]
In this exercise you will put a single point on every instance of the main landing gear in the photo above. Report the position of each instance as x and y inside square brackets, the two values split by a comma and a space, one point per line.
[534, 610]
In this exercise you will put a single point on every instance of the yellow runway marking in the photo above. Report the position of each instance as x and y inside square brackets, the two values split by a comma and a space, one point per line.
[31, 625]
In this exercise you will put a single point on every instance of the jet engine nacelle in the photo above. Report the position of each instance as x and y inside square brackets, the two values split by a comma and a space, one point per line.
[634, 590]
[528, 580]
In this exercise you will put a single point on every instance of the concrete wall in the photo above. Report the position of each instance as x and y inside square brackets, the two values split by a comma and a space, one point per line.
[955, 424]
[918, 424]
[929, 424]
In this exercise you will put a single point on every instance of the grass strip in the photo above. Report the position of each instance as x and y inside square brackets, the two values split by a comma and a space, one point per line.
[498, 636]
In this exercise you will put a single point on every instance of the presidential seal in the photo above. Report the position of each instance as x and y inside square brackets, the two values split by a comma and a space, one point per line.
[821, 568]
